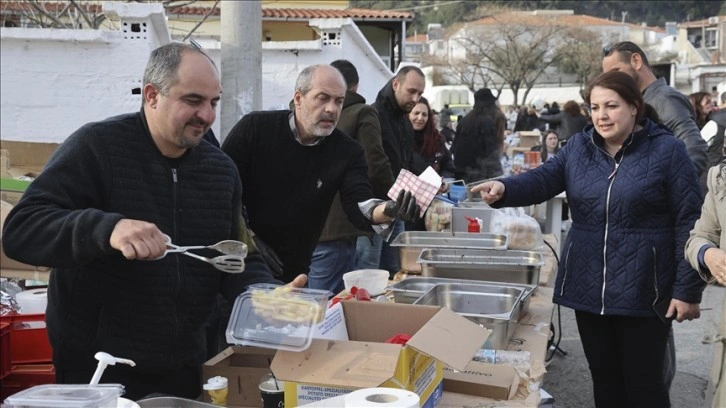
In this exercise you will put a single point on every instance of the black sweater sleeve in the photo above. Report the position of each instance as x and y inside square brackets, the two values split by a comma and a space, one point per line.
[58, 222]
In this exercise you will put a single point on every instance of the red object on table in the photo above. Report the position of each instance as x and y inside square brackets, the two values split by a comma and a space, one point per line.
[399, 339]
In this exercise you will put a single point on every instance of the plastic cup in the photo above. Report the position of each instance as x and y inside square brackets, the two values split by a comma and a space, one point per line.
[272, 392]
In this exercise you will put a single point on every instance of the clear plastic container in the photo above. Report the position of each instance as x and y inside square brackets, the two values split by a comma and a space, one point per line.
[276, 317]
[67, 395]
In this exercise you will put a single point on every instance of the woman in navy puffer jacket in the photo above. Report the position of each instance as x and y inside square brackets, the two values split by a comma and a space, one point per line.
[634, 197]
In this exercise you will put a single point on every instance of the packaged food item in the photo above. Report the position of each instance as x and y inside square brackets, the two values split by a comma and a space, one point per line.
[523, 231]
[276, 316]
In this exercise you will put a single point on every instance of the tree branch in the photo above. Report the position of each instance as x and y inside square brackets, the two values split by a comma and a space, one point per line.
[202, 21]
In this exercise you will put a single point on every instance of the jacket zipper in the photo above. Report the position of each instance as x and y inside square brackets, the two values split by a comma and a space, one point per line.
[655, 277]
[174, 179]
[611, 177]
[567, 261]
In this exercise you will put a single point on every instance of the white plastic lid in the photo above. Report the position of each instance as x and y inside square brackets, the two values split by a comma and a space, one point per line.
[272, 318]
[216, 383]
[67, 395]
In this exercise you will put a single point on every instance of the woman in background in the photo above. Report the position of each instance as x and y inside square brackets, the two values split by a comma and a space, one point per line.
[479, 140]
[567, 122]
[703, 106]
[634, 197]
[550, 145]
[429, 148]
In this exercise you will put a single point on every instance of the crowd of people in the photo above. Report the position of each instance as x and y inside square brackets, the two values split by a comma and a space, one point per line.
[306, 189]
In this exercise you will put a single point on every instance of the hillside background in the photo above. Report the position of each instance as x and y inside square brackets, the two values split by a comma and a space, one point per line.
[447, 13]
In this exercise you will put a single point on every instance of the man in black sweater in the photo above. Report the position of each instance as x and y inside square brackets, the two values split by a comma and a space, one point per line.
[335, 253]
[292, 163]
[98, 214]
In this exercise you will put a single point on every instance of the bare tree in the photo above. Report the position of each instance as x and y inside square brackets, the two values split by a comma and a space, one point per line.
[581, 55]
[74, 14]
[55, 14]
[512, 49]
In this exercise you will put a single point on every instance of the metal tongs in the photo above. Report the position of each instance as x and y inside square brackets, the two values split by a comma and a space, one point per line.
[233, 260]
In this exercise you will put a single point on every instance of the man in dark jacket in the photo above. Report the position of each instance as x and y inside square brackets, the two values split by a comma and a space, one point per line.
[394, 102]
[98, 214]
[301, 155]
[673, 107]
[676, 112]
[335, 253]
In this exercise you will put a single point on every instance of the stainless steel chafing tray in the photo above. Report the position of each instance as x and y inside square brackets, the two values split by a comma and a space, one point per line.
[490, 306]
[482, 264]
[411, 289]
[411, 243]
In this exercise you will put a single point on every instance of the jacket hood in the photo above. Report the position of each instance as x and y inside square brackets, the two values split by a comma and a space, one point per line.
[387, 98]
[352, 98]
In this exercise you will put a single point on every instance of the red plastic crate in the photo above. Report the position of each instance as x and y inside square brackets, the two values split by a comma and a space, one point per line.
[22, 377]
[28, 339]
[4, 349]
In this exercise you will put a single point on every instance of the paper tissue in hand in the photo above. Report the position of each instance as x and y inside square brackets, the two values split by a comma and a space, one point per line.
[423, 187]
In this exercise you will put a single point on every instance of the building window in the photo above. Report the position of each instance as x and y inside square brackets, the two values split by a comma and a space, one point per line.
[710, 39]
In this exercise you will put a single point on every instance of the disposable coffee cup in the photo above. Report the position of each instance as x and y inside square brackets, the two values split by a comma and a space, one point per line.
[272, 392]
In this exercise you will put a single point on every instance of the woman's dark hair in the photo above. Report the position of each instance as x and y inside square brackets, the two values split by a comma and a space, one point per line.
[543, 149]
[625, 86]
[432, 139]
[572, 108]
[696, 99]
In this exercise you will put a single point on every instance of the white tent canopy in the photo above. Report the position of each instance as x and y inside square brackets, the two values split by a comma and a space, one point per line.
[540, 96]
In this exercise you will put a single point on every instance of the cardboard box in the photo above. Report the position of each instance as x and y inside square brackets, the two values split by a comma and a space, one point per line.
[21, 160]
[334, 367]
[502, 381]
[498, 381]
[243, 367]
[529, 139]
[24, 158]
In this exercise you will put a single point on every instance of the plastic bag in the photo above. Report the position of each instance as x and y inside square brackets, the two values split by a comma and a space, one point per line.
[523, 231]
[438, 215]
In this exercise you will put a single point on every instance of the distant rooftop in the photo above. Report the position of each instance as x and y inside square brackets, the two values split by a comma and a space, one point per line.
[290, 14]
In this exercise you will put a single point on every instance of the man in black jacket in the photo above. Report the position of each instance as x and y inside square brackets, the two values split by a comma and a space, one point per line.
[394, 102]
[98, 213]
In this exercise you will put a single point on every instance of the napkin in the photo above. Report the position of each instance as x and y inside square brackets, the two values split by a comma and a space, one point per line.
[423, 187]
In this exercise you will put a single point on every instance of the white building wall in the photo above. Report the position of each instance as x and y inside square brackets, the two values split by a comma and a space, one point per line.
[55, 81]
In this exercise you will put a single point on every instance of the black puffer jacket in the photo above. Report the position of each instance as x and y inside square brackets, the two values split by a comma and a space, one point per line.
[149, 311]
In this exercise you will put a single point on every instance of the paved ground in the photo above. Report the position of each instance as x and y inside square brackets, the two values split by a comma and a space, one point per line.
[568, 378]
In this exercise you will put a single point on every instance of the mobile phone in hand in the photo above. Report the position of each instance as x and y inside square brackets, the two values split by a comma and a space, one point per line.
[661, 308]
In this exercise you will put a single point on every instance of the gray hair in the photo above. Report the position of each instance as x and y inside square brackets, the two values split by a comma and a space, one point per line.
[161, 70]
[304, 81]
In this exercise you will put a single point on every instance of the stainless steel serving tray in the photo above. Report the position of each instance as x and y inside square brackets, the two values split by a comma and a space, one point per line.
[490, 306]
[411, 289]
[411, 243]
[482, 264]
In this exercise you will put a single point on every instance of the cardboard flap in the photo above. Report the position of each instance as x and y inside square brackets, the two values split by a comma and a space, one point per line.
[450, 338]
[338, 363]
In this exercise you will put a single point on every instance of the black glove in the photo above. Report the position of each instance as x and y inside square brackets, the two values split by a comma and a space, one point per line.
[405, 207]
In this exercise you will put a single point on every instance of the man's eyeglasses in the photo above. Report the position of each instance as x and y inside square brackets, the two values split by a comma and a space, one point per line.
[627, 47]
